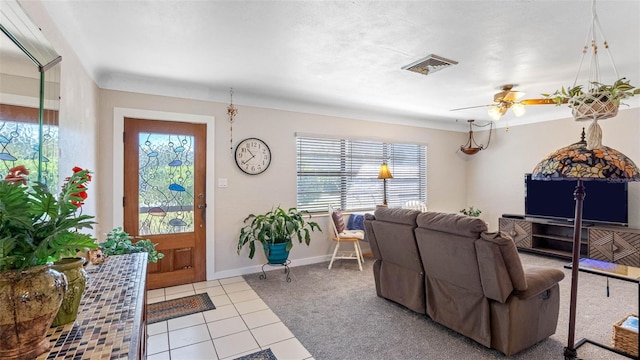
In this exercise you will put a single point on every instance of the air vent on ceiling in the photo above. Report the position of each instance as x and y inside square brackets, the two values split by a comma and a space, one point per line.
[429, 64]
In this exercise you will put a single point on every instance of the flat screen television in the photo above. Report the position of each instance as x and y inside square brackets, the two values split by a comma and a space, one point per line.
[604, 203]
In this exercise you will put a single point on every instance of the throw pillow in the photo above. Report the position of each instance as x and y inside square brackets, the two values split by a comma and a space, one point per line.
[338, 220]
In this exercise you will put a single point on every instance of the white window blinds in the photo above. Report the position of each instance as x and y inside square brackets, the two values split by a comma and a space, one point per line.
[344, 173]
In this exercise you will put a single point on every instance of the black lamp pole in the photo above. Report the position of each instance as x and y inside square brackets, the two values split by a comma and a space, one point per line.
[570, 352]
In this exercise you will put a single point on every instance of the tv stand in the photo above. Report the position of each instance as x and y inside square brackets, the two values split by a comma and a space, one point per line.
[616, 244]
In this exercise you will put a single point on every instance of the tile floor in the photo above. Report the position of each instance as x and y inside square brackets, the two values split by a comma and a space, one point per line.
[241, 324]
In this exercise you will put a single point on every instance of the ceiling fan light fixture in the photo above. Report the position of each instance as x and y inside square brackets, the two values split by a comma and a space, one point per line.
[518, 109]
[496, 112]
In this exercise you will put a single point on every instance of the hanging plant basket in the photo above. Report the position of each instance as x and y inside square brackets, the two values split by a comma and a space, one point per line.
[593, 106]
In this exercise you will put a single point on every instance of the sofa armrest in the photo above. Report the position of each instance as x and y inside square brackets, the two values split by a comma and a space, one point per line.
[539, 279]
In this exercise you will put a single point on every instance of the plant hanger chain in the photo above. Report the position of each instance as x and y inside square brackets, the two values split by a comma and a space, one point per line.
[592, 41]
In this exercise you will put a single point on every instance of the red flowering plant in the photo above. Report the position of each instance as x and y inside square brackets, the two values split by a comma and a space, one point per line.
[35, 226]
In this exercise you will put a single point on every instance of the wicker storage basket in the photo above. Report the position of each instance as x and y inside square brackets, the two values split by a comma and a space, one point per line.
[625, 339]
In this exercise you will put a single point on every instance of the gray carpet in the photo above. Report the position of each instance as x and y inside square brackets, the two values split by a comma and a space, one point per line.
[336, 315]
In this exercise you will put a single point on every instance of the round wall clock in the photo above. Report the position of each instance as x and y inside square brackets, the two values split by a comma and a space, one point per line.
[253, 156]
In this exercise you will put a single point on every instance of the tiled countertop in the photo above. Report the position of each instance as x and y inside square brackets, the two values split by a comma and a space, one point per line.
[110, 318]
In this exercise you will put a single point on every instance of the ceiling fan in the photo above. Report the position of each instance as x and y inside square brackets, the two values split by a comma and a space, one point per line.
[509, 99]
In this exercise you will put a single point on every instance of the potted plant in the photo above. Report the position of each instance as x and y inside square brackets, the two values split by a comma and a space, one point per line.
[601, 101]
[36, 229]
[471, 211]
[275, 230]
[120, 242]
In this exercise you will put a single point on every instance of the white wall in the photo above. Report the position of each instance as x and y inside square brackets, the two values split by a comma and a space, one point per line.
[78, 132]
[277, 186]
[495, 180]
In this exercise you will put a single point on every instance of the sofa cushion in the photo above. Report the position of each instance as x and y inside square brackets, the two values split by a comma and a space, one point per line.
[338, 220]
[510, 257]
[456, 224]
[397, 215]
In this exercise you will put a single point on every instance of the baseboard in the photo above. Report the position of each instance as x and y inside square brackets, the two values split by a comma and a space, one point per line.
[258, 268]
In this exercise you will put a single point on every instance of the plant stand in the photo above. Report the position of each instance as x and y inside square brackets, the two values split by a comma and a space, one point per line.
[287, 270]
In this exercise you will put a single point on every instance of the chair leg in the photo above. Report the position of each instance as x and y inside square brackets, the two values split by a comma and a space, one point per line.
[335, 251]
[356, 247]
[361, 254]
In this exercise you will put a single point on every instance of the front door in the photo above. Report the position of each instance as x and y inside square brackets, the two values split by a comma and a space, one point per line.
[164, 196]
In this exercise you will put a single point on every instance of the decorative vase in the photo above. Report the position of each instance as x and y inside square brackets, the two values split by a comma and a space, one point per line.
[276, 253]
[29, 300]
[76, 281]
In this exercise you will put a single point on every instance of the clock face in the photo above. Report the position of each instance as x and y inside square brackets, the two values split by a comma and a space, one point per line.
[253, 156]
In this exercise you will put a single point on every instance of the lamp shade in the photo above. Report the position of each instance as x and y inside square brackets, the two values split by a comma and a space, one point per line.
[385, 173]
[577, 162]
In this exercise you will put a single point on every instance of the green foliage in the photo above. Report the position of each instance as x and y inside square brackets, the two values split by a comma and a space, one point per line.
[471, 211]
[575, 96]
[119, 242]
[36, 228]
[275, 227]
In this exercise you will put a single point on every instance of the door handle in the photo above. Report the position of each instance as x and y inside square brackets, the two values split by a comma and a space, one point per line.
[202, 206]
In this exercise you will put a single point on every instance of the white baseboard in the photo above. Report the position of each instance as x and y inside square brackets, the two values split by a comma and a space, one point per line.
[258, 268]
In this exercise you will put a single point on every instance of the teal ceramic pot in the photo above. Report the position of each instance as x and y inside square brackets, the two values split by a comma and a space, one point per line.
[276, 253]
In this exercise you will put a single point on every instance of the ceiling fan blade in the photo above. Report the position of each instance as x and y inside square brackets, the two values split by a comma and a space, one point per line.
[472, 107]
[537, 102]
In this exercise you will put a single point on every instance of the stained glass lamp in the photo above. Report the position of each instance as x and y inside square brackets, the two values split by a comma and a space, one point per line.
[576, 162]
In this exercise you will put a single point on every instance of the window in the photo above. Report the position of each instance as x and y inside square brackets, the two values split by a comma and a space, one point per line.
[344, 173]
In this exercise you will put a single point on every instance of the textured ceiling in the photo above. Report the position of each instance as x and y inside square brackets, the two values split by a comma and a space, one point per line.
[344, 58]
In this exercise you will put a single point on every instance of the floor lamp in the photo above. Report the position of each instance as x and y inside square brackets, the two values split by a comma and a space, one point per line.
[385, 174]
[576, 162]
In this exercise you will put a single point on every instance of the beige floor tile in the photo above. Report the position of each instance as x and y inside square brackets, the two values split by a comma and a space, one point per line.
[200, 351]
[157, 343]
[221, 312]
[188, 336]
[155, 293]
[230, 345]
[234, 287]
[157, 328]
[269, 334]
[260, 318]
[178, 289]
[250, 306]
[290, 349]
[160, 356]
[155, 300]
[243, 296]
[212, 291]
[206, 284]
[180, 295]
[232, 280]
[235, 356]
[220, 300]
[185, 321]
[226, 327]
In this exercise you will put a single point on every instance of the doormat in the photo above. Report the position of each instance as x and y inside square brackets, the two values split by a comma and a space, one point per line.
[265, 354]
[170, 309]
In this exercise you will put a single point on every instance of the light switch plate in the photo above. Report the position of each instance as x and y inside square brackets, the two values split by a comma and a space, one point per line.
[223, 182]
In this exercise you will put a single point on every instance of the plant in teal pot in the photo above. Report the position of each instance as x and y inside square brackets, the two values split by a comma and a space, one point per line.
[275, 230]
[36, 229]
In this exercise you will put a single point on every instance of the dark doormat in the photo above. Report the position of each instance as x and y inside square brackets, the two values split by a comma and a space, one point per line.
[170, 309]
[265, 354]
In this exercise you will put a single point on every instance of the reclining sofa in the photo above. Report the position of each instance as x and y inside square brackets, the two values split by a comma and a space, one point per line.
[448, 267]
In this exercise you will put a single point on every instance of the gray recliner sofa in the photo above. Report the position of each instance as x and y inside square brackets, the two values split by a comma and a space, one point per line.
[474, 282]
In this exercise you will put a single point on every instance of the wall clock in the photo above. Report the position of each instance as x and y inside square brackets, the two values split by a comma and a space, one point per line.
[253, 156]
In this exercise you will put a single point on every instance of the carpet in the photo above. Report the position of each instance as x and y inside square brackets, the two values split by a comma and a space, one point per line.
[337, 315]
[170, 309]
[265, 354]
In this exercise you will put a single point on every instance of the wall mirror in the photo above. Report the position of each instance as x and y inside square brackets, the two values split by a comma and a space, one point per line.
[29, 97]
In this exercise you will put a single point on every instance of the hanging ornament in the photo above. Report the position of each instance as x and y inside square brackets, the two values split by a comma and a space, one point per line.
[232, 111]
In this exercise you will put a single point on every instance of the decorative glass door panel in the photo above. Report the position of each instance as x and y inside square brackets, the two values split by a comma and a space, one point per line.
[164, 196]
[166, 183]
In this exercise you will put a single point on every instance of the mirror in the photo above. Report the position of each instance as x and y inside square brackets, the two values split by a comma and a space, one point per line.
[29, 98]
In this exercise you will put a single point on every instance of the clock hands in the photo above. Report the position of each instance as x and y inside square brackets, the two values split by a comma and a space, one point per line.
[252, 156]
